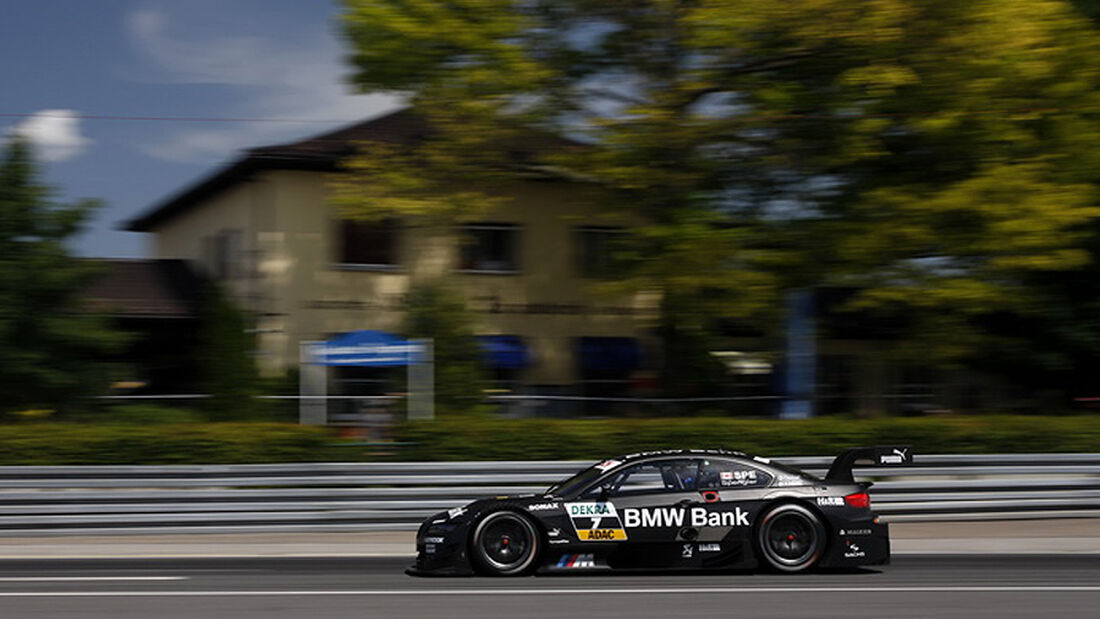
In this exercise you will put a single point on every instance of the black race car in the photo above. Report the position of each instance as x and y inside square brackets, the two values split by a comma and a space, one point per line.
[679, 509]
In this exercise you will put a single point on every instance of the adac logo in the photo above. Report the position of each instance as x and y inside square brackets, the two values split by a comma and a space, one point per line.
[596, 522]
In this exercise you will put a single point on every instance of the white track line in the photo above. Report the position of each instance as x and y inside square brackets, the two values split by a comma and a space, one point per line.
[88, 578]
[602, 592]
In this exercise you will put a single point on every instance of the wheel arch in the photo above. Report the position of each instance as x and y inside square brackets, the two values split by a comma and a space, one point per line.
[800, 501]
[488, 510]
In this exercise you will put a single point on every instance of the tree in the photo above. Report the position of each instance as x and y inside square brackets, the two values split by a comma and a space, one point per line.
[433, 312]
[51, 348]
[936, 156]
[226, 358]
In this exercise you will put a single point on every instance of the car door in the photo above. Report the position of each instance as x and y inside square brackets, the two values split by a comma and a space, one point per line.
[644, 505]
[731, 492]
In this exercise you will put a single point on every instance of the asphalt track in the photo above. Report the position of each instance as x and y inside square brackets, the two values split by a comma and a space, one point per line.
[283, 588]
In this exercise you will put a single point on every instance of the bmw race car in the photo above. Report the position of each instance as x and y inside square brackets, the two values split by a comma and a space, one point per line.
[678, 509]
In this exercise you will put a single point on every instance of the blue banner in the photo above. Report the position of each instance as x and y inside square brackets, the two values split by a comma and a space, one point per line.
[367, 348]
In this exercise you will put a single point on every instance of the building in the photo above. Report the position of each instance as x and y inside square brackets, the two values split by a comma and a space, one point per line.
[160, 303]
[263, 228]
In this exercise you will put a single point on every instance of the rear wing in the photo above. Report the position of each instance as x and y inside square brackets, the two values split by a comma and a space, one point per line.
[889, 455]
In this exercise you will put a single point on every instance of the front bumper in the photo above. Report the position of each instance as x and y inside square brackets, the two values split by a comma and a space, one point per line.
[441, 549]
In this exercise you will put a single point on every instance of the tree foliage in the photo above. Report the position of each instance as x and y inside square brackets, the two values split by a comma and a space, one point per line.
[51, 348]
[436, 313]
[936, 156]
[227, 364]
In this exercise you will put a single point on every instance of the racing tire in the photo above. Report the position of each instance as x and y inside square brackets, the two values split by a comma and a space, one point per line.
[790, 538]
[505, 543]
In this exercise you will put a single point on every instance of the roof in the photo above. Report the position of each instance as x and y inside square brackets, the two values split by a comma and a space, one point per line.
[146, 289]
[679, 452]
[322, 152]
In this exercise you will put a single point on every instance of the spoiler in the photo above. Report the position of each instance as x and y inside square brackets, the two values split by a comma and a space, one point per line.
[889, 455]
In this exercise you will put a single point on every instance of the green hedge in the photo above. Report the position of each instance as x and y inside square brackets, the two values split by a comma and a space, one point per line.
[215, 443]
[538, 439]
[486, 438]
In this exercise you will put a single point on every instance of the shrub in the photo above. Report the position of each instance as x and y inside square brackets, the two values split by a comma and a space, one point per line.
[214, 443]
[536, 439]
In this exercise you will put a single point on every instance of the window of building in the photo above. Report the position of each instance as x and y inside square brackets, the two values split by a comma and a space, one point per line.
[369, 244]
[222, 254]
[596, 249]
[490, 248]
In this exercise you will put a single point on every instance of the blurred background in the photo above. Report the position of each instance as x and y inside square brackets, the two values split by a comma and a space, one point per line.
[589, 225]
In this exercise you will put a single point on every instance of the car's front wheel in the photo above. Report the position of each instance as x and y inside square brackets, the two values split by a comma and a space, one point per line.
[791, 538]
[505, 543]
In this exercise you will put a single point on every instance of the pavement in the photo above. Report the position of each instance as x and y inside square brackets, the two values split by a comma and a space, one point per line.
[1055, 536]
[912, 587]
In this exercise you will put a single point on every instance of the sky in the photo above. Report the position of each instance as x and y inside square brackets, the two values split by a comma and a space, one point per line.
[125, 101]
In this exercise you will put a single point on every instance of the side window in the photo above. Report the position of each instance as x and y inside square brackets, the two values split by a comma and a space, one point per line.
[652, 478]
[731, 474]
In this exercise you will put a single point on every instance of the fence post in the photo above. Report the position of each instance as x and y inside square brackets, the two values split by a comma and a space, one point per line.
[312, 388]
[421, 380]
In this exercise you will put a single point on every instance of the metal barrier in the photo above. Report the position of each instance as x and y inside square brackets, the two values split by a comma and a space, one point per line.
[112, 500]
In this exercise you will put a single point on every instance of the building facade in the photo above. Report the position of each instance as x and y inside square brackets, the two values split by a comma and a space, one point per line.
[262, 226]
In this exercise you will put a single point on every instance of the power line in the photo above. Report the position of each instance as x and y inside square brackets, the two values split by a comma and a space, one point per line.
[195, 119]
[839, 116]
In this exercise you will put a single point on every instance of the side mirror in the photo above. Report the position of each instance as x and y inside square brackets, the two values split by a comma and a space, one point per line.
[605, 493]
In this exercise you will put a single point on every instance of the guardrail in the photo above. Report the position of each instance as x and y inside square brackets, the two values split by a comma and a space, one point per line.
[112, 500]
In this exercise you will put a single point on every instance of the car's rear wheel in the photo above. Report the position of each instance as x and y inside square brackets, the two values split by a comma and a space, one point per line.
[791, 538]
[505, 543]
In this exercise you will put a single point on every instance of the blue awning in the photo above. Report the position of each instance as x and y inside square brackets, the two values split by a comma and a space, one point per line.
[608, 354]
[504, 352]
[367, 348]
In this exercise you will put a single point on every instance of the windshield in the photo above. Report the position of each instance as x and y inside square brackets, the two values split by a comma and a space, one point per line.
[571, 484]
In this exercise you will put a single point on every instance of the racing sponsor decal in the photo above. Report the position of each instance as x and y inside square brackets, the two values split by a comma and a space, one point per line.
[789, 480]
[596, 522]
[456, 512]
[541, 507]
[607, 465]
[554, 542]
[853, 551]
[649, 517]
[761, 459]
[710, 547]
[855, 532]
[554, 532]
[743, 477]
[433, 540]
[577, 561]
[831, 501]
[688, 551]
[896, 456]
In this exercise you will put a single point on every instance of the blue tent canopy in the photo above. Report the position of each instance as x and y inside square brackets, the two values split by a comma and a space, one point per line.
[608, 354]
[504, 352]
[367, 348]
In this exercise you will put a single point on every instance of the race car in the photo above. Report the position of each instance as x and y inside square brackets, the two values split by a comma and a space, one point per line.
[674, 509]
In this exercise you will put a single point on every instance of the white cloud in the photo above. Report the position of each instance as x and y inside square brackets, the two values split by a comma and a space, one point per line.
[54, 134]
[295, 76]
